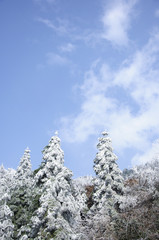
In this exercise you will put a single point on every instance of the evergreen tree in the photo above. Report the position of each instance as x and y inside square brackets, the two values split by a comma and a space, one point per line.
[58, 212]
[22, 196]
[50, 205]
[24, 172]
[109, 182]
[6, 225]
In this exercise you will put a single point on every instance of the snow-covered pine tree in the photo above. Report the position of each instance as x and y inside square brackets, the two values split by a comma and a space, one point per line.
[6, 178]
[6, 225]
[109, 181]
[58, 213]
[24, 172]
[22, 196]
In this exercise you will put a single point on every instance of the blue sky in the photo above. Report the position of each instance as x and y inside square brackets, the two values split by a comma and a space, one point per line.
[79, 67]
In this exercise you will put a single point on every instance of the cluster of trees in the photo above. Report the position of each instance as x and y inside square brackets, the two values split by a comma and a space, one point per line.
[48, 204]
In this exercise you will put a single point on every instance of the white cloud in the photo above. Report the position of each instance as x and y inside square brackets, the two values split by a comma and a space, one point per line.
[69, 47]
[125, 102]
[94, 109]
[151, 154]
[117, 21]
[92, 116]
[61, 26]
[53, 59]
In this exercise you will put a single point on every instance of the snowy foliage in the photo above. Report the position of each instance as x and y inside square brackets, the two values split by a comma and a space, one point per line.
[24, 170]
[48, 204]
[6, 179]
[58, 209]
[6, 225]
[109, 182]
[148, 174]
[83, 188]
[84, 181]
[53, 160]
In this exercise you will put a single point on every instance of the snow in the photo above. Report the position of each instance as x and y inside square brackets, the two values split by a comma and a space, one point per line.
[49, 204]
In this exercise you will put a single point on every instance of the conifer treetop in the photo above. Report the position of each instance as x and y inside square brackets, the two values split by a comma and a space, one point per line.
[105, 133]
[105, 160]
[24, 169]
[109, 182]
[57, 202]
[56, 133]
[53, 157]
[53, 151]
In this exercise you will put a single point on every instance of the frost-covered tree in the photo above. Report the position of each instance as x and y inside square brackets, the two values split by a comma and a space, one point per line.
[138, 218]
[48, 204]
[109, 181]
[58, 213]
[148, 173]
[22, 195]
[6, 178]
[6, 225]
[83, 189]
[4, 187]
[24, 172]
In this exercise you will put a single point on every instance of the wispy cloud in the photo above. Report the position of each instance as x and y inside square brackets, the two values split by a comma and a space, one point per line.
[125, 102]
[69, 47]
[117, 21]
[56, 59]
[61, 26]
